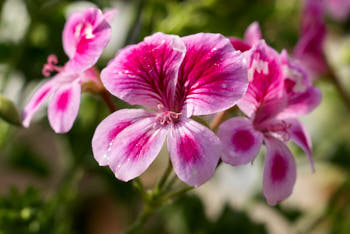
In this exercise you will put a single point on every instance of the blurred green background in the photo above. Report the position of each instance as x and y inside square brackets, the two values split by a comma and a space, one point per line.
[51, 184]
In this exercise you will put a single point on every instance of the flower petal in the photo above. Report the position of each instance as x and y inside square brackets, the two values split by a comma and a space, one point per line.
[85, 36]
[279, 171]
[194, 151]
[309, 48]
[240, 140]
[64, 106]
[239, 44]
[110, 127]
[146, 73]
[212, 76]
[39, 97]
[302, 96]
[135, 148]
[109, 15]
[299, 135]
[253, 34]
[264, 97]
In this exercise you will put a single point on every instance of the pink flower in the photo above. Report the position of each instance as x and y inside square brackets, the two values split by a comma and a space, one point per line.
[85, 35]
[338, 9]
[279, 92]
[174, 78]
[309, 49]
[251, 36]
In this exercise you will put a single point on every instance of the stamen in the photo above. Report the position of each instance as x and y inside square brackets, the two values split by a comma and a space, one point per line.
[168, 117]
[50, 66]
[281, 129]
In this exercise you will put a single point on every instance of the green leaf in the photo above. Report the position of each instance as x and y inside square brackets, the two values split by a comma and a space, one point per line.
[8, 111]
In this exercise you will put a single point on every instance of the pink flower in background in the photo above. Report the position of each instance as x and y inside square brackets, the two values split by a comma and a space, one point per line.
[338, 9]
[85, 36]
[174, 78]
[309, 49]
[279, 92]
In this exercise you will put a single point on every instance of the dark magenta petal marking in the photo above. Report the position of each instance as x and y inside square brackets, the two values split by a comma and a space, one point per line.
[279, 168]
[242, 140]
[63, 100]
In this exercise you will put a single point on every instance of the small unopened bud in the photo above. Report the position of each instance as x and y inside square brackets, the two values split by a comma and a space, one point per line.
[8, 111]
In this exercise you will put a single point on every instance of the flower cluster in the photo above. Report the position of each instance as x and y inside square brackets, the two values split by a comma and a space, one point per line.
[174, 78]
[85, 36]
[279, 91]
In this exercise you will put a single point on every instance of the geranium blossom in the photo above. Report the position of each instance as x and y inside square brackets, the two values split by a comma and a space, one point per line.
[338, 9]
[85, 36]
[309, 49]
[174, 78]
[279, 92]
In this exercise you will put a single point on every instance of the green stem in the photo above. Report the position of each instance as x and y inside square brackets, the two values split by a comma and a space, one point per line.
[164, 177]
[138, 184]
[141, 220]
[171, 183]
[178, 193]
[340, 87]
[107, 98]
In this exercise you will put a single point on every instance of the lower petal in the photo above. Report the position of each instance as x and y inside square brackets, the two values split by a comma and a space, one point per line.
[299, 135]
[39, 97]
[64, 107]
[194, 151]
[302, 104]
[135, 148]
[240, 141]
[279, 171]
[110, 128]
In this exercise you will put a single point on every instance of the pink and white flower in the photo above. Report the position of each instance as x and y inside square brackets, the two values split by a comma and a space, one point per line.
[278, 92]
[338, 9]
[174, 78]
[309, 49]
[85, 36]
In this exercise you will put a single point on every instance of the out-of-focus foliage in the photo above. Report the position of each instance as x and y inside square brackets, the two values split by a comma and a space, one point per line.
[28, 213]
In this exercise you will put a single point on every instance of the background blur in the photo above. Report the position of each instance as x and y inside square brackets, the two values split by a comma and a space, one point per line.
[51, 184]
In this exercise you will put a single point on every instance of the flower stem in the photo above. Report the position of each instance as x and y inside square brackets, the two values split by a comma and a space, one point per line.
[141, 220]
[338, 85]
[217, 120]
[178, 193]
[164, 177]
[107, 98]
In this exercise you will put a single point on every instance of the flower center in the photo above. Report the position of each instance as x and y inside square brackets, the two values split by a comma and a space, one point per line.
[166, 117]
[281, 129]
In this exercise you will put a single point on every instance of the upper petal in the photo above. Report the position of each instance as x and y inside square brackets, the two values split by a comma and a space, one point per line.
[146, 73]
[194, 151]
[302, 97]
[135, 148]
[279, 171]
[240, 140]
[239, 44]
[264, 97]
[85, 36]
[212, 77]
[110, 127]
[253, 34]
[39, 97]
[299, 135]
[64, 106]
